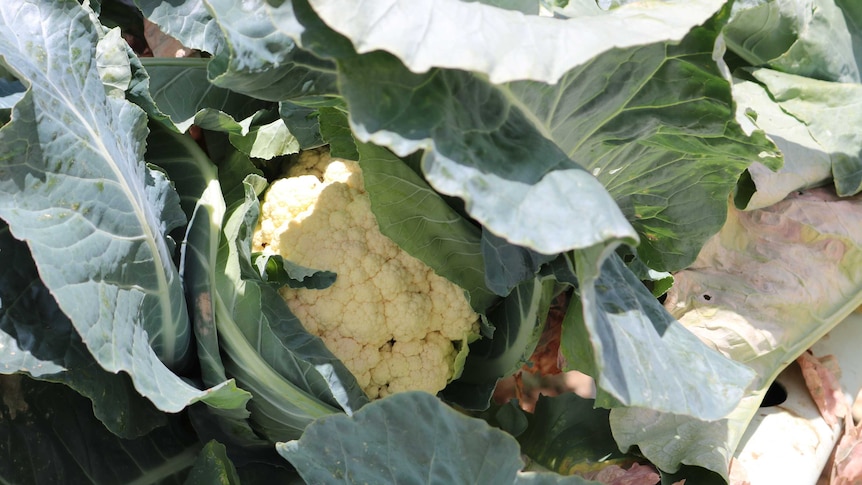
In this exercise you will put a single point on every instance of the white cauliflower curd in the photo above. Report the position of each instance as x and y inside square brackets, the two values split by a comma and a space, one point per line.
[390, 318]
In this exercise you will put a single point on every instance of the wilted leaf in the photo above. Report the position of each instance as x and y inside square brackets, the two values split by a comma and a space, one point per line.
[847, 467]
[821, 379]
[762, 291]
[634, 475]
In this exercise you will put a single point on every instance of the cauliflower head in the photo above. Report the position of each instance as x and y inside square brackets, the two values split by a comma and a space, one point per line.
[391, 319]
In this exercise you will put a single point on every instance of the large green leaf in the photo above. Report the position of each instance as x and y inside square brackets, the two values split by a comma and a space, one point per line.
[515, 152]
[638, 353]
[655, 124]
[379, 443]
[196, 180]
[762, 291]
[48, 434]
[73, 186]
[38, 339]
[504, 44]
[518, 186]
[481, 148]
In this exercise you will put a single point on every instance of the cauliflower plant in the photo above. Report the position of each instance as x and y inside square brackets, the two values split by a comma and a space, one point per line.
[391, 319]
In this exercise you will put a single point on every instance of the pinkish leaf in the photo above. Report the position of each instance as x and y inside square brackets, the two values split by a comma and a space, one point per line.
[635, 475]
[163, 45]
[821, 378]
[847, 462]
[738, 473]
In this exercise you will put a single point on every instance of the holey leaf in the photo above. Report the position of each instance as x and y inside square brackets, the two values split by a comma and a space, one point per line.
[639, 355]
[74, 186]
[762, 291]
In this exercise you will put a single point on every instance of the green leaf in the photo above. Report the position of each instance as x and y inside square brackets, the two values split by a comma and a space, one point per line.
[112, 62]
[568, 435]
[213, 466]
[639, 355]
[766, 288]
[469, 121]
[379, 443]
[72, 184]
[195, 178]
[261, 59]
[810, 38]
[335, 130]
[302, 123]
[655, 124]
[828, 111]
[50, 435]
[181, 90]
[658, 282]
[280, 272]
[518, 322]
[39, 340]
[669, 441]
[436, 235]
[506, 265]
[266, 140]
[293, 378]
[489, 40]
[806, 162]
[521, 172]
[512, 151]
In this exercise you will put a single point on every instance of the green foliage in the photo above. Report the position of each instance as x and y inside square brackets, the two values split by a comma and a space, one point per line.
[518, 156]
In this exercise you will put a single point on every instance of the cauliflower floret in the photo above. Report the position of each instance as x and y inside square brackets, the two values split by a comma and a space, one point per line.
[390, 318]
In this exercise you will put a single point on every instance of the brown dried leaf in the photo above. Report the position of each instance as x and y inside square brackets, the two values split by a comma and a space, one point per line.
[635, 475]
[821, 378]
[546, 358]
[847, 459]
[163, 45]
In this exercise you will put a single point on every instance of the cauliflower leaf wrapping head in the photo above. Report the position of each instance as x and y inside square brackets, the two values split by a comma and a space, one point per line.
[390, 318]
